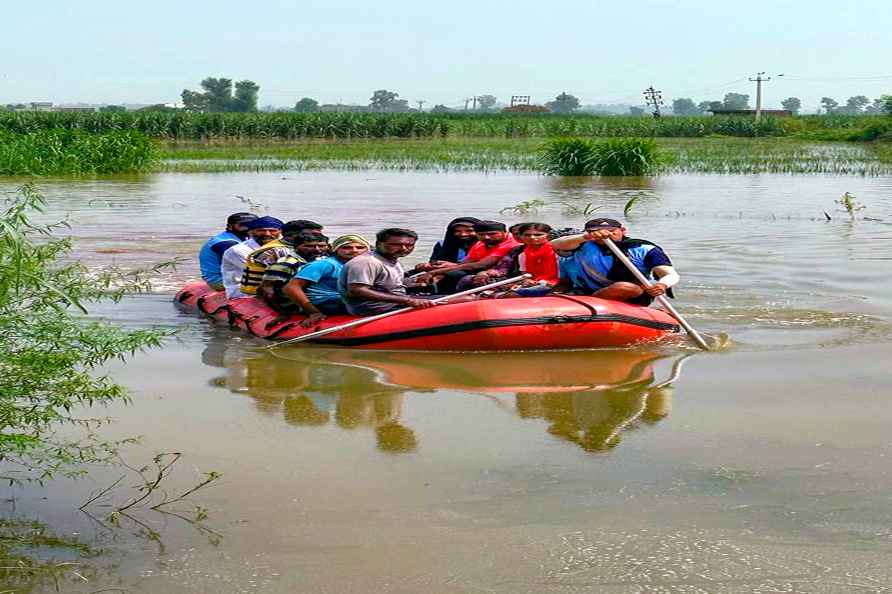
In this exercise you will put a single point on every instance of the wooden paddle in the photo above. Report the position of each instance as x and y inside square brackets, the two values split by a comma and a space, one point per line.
[360, 321]
[661, 299]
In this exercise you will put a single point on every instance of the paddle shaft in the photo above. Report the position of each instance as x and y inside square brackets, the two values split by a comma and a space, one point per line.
[661, 299]
[361, 321]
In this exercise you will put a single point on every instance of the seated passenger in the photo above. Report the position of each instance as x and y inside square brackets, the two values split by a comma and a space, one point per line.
[257, 261]
[454, 246]
[314, 289]
[535, 256]
[210, 258]
[592, 268]
[494, 242]
[260, 232]
[373, 283]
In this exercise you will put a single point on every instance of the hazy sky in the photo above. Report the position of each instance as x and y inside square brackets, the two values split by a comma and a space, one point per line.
[117, 51]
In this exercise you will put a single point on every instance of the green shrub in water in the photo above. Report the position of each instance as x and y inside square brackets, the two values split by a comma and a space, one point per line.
[75, 152]
[567, 156]
[625, 156]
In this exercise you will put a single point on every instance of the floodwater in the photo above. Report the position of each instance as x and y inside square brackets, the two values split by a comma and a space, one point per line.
[761, 468]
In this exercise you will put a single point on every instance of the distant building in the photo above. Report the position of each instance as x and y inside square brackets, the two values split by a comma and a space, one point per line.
[775, 113]
[40, 106]
[74, 109]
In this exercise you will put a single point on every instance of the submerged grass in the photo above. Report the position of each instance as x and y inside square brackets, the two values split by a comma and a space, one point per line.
[701, 155]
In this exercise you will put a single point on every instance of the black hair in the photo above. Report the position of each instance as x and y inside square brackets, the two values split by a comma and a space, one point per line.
[488, 226]
[240, 217]
[299, 225]
[307, 237]
[385, 234]
[544, 227]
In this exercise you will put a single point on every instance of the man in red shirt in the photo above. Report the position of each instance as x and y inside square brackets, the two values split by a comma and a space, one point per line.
[494, 243]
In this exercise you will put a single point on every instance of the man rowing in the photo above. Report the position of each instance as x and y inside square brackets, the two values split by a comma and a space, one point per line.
[592, 268]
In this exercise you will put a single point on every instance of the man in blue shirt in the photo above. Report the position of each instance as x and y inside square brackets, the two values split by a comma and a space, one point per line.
[210, 258]
[592, 268]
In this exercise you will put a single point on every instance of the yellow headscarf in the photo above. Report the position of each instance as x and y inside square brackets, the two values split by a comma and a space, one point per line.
[349, 238]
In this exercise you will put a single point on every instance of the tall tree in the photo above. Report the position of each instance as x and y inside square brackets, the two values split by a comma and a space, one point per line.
[829, 104]
[856, 104]
[736, 101]
[486, 102]
[636, 111]
[792, 104]
[218, 92]
[245, 98]
[382, 100]
[306, 105]
[217, 96]
[684, 106]
[886, 102]
[705, 106]
[563, 103]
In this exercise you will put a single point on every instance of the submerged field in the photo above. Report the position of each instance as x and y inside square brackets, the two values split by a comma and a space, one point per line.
[680, 155]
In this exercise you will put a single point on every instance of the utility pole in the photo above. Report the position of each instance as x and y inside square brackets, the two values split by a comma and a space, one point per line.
[421, 103]
[653, 98]
[760, 78]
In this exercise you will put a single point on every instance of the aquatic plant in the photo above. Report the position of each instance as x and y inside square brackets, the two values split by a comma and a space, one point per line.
[625, 157]
[568, 157]
[851, 206]
[59, 151]
[524, 208]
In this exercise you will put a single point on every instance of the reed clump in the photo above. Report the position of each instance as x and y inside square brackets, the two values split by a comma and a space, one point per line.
[612, 157]
[60, 151]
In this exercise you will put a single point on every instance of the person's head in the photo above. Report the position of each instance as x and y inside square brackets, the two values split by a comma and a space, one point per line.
[462, 229]
[310, 246]
[347, 247]
[515, 230]
[265, 229]
[613, 227]
[534, 234]
[300, 225]
[395, 243]
[237, 223]
[492, 233]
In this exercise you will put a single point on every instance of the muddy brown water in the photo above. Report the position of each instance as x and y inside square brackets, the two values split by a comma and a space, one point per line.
[762, 468]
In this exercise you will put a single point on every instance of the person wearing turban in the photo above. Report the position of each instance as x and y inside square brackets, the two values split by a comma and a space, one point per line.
[314, 290]
[261, 231]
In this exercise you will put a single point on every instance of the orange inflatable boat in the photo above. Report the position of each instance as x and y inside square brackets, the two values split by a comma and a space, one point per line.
[532, 323]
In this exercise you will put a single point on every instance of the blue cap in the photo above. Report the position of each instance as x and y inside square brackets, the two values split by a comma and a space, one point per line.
[265, 223]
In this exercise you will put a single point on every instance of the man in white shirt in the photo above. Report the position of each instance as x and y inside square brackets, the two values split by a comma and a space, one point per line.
[260, 231]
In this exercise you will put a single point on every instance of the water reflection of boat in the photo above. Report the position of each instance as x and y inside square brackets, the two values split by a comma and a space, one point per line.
[587, 398]
[552, 322]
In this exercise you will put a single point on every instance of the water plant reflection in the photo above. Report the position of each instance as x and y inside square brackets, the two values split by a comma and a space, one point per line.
[588, 398]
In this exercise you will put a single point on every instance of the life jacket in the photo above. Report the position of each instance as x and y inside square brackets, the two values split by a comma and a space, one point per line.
[209, 261]
[255, 267]
[594, 266]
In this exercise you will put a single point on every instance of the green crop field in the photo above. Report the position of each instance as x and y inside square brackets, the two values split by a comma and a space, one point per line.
[335, 126]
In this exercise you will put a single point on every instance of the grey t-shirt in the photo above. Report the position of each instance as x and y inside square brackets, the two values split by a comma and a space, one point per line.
[380, 273]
